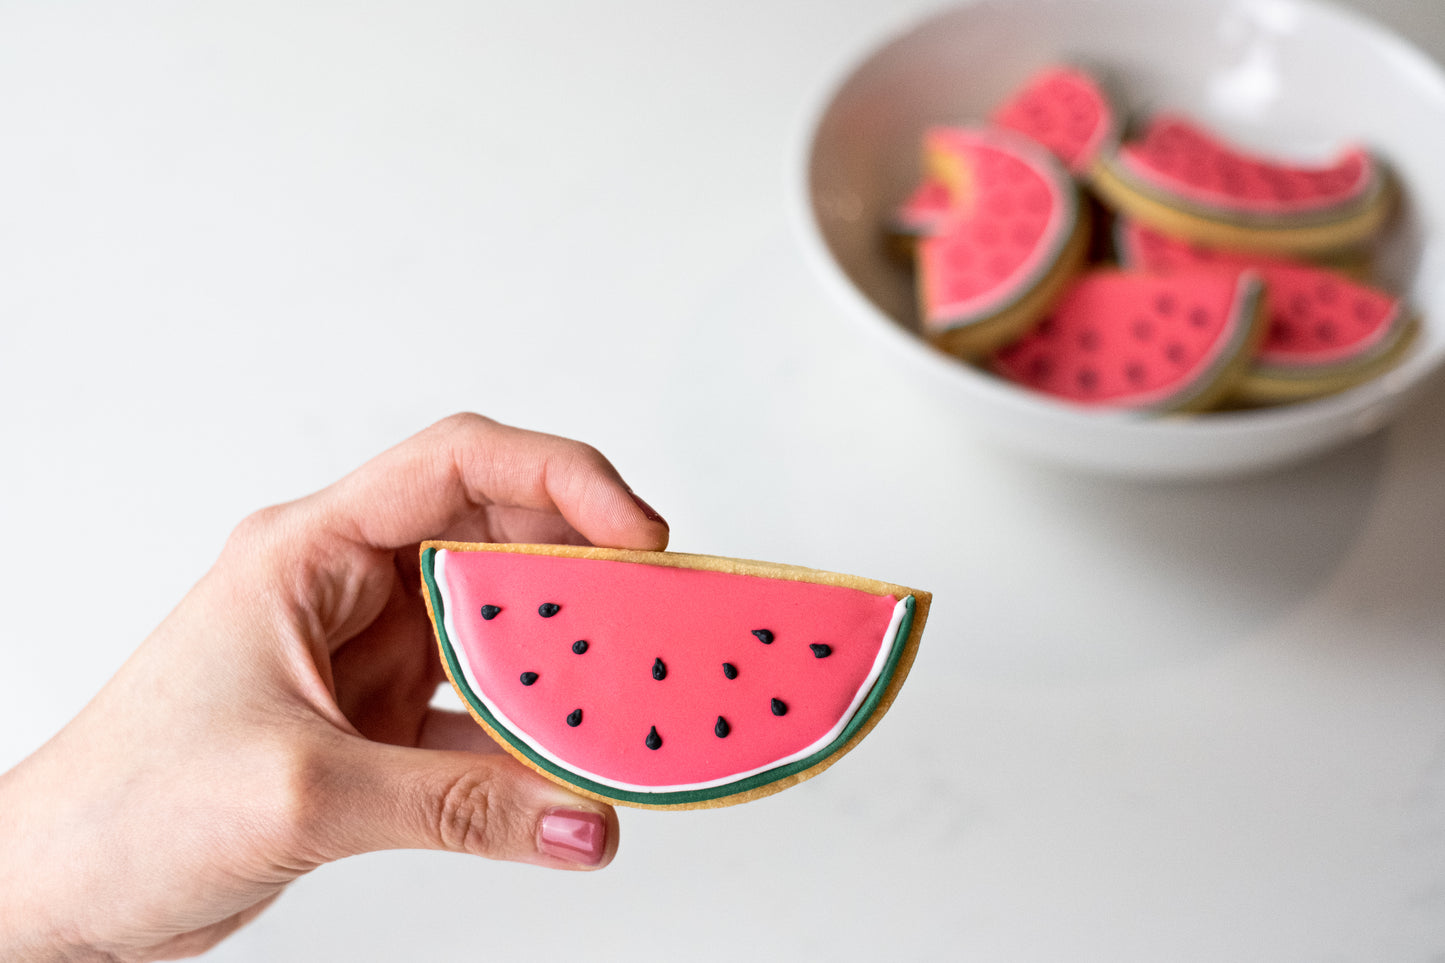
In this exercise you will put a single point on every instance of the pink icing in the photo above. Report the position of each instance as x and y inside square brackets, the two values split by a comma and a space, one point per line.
[1121, 339]
[1180, 158]
[631, 615]
[1064, 109]
[1316, 316]
[1008, 226]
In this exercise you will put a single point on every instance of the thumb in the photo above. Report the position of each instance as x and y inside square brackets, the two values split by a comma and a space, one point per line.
[376, 796]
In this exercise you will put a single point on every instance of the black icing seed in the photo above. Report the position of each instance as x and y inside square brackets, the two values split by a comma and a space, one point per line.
[574, 718]
[780, 708]
[528, 678]
[579, 646]
[654, 741]
[730, 670]
[821, 650]
[489, 612]
[721, 729]
[764, 636]
[548, 609]
[659, 671]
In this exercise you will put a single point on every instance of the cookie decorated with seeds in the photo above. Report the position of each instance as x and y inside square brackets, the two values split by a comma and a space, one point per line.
[1155, 343]
[662, 680]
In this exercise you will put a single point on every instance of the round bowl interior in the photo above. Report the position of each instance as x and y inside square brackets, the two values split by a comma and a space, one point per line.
[1292, 77]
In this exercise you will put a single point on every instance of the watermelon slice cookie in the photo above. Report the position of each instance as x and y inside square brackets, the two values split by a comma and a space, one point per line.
[1062, 108]
[1326, 332]
[1015, 234]
[1145, 342]
[1065, 109]
[663, 680]
[1183, 180]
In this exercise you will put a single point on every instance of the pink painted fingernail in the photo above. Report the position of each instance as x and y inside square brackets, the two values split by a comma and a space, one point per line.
[647, 509]
[578, 837]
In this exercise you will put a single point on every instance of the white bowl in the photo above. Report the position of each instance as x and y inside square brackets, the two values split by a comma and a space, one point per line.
[1279, 75]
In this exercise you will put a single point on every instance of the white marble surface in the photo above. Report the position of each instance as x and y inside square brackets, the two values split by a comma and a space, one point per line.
[247, 245]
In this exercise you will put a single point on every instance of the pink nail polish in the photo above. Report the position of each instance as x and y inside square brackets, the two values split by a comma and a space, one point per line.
[578, 837]
[647, 509]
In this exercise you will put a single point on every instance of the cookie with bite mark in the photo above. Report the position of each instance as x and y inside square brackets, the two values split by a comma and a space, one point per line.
[1015, 233]
[1180, 178]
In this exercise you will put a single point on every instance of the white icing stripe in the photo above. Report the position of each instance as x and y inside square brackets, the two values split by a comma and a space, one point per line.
[885, 649]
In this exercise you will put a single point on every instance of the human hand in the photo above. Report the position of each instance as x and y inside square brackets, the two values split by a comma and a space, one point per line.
[279, 717]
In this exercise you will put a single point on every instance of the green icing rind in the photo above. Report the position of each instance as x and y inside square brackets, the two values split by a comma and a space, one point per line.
[682, 797]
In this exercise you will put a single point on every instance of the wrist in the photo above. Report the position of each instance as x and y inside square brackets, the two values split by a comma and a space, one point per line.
[29, 932]
[26, 950]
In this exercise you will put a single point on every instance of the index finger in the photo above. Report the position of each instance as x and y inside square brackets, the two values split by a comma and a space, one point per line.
[466, 463]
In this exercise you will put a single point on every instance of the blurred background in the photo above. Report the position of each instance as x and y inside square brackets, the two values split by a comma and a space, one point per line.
[244, 247]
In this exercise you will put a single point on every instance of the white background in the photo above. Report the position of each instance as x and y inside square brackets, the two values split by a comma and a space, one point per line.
[245, 246]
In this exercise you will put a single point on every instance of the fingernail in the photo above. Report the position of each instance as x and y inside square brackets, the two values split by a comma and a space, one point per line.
[578, 837]
[647, 509]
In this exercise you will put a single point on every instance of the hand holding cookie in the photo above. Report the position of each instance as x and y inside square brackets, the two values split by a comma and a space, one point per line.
[279, 717]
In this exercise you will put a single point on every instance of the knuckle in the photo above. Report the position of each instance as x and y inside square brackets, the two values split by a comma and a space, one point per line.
[589, 459]
[472, 817]
[256, 525]
[256, 529]
[583, 466]
[462, 423]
